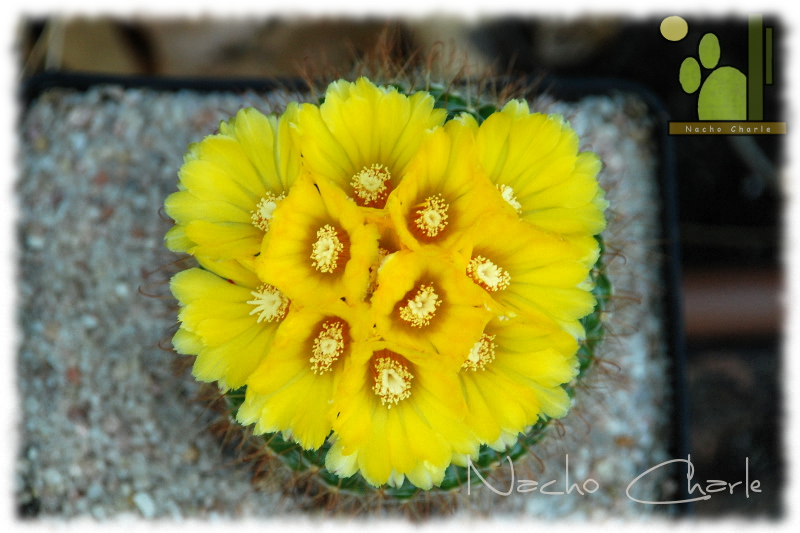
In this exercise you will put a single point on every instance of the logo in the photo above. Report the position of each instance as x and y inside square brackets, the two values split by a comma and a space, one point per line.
[729, 102]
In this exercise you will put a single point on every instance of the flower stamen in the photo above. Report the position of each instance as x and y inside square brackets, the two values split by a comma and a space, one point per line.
[430, 217]
[262, 214]
[392, 380]
[270, 304]
[481, 354]
[508, 195]
[487, 274]
[421, 308]
[326, 250]
[371, 186]
[328, 346]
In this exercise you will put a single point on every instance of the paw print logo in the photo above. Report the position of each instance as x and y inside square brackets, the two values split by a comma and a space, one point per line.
[723, 92]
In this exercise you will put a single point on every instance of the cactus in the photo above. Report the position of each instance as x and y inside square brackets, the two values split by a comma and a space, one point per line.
[280, 449]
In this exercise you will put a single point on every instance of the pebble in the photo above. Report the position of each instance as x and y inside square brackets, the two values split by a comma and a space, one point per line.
[145, 504]
[52, 477]
[174, 511]
[89, 321]
[75, 471]
[122, 290]
[95, 491]
[98, 512]
[35, 241]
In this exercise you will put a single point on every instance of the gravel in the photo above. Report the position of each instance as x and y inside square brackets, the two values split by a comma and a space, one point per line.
[109, 431]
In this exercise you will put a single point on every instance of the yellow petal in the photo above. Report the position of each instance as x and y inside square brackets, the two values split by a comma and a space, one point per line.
[521, 381]
[535, 157]
[184, 206]
[223, 181]
[393, 439]
[257, 136]
[287, 148]
[360, 125]
[424, 302]
[222, 169]
[232, 270]
[293, 388]
[224, 240]
[534, 272]
[186, 342]
[340, 464]
[288, 259]
[176, 240]
[444, 193]
[234, 361]
[216, 312]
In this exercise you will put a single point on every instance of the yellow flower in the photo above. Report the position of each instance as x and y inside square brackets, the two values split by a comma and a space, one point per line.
[395, 415]
[403, 289]
[319, 248]
[230, 183]
[444, 193]
[426, 303]
[515, 375]
[292, 389]
[533, 161]
[227, 320]
[533, 273]
[363, 136]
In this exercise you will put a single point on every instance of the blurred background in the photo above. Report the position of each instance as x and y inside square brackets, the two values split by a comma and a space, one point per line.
[729, 186]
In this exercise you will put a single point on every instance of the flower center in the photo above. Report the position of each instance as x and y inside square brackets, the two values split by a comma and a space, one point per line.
[328, 346]
[420, 309]
[270, 304]
[262, 214]
[488, 275]
[508, 195]
[430, 217]
[481, 354]
[392, 380]
[371, 186]
[326, 252]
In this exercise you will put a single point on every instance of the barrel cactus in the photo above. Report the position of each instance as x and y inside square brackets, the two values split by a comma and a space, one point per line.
[394, 283]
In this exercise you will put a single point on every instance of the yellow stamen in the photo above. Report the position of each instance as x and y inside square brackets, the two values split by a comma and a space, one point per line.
[392, 380]
[431, 216]
[481, 354]
[328, 346]
[508, 195]
[262, 214]
[371, 186]
[488, 275]
[270, 304]
[326, 250]
[420, 309]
